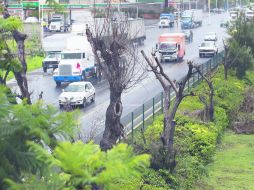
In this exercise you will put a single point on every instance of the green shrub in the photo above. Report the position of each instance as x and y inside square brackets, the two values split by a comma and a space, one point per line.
[153, 132]
[154, 180]
[188, 170]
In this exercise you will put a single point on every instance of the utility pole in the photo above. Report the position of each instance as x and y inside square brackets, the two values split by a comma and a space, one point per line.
[216, 4]
[189, 4]
[209, 11]
[196, 4]
[39, 8]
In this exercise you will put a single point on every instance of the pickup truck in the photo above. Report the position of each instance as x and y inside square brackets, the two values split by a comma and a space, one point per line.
[208, 48]
[51, 61]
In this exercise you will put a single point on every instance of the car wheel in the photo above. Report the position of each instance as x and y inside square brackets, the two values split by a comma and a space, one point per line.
[44, 69]
[93, 98]
[200, 55]
[60, 106]
[84, 103]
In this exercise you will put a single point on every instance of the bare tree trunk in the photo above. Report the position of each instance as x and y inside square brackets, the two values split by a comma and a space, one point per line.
[113, 127]
[210, 84]
[166, 108]
[170, 133]
[225, 72]
[20, 76]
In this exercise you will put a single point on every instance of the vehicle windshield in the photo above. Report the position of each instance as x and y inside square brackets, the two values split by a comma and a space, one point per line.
[56, 20]
[74, 88]
[71, 56]
[186, 19]
[164, 18]
[166, 46]
[207, 44]
[51, 55]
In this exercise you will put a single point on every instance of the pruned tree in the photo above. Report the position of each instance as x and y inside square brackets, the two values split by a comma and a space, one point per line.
[209, 82]
[118, 60]
[169, 115]
[20, 75]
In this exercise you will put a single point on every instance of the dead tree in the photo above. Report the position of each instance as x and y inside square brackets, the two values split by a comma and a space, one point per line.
[119, 62]
[169, 115]
[211, 93]
[20, 76]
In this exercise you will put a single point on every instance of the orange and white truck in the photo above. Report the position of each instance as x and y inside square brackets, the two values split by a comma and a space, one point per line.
[171, 47]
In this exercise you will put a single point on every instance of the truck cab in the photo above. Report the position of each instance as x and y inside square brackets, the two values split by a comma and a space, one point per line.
[171, 47]
[51, 61]
[59, 23]
[187, 22]
[166, 20]
[75, 65]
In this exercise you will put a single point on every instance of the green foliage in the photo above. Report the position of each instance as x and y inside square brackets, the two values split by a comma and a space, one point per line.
[10, 24]
[21, 124]
[195, 141]
[8, 62]
[155, 180]
[152, 133]
[83, 166]
[169, 9]
[229, 93]
[243, 58]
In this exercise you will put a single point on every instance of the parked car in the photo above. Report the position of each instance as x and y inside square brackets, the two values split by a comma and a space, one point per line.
[211, 36]
[208, 48]
[31, 20]
[77, 93]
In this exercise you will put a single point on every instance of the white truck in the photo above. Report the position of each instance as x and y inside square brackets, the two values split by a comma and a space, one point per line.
[77, 61]
[59, 23]
[136, 30]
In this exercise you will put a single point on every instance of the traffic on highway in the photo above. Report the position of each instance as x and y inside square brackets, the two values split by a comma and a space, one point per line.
[70, 61]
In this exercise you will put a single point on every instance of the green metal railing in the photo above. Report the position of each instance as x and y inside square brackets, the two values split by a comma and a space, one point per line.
[145, 114]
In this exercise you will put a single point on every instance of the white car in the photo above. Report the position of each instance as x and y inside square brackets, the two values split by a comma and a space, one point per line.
[77, 93]
[208, 48]
[211, 36]
[31, 20]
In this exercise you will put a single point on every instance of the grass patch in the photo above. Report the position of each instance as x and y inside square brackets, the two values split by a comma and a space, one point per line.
[233, 166]
[33, 63]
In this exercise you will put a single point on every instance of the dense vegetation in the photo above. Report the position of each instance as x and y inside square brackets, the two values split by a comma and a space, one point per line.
[38, 148]
[196, 139]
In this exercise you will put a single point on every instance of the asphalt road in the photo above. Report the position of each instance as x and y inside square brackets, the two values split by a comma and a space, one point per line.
[92, 116]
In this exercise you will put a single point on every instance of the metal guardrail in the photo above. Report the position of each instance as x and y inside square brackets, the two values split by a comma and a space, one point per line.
[138, 118]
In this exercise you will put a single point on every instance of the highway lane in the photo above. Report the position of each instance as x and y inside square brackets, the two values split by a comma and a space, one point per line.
[148, 88]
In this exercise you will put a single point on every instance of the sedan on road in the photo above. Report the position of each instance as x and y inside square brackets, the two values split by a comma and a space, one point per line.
[208, 48]
[77, 93]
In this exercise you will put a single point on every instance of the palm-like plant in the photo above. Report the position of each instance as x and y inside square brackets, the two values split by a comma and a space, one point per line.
[23, 123]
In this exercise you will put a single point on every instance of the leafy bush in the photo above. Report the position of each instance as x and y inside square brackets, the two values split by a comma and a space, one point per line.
[85, 166]
[195, 141]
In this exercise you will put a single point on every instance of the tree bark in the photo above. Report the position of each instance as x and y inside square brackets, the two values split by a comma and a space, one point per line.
[166, 108]
[225, 72]
[113, 127]
[21, 75]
